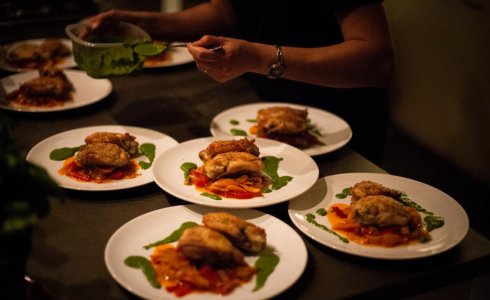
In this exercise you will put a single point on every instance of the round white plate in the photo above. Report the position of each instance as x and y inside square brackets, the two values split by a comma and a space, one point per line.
[322, 194]
[178, 56]
[130, 238]
[335, 132]
[67, 62]
[87, 90]
[39, 155]
[295, 163]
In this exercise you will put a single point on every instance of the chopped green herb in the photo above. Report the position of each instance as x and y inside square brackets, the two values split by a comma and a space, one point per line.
[252, 120]
[234, 122]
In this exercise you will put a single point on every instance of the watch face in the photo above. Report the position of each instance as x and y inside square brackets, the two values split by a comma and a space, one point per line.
[276, 70]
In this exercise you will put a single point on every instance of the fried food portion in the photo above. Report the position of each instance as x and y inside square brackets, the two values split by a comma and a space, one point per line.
[242, 145]
[53, 48]
[52, 82]
[204, 245]
[24, 53]
[232, 163]
[102, 155]
[244, 235]
[366, 188]
[33, 56]
[125, 141]
[380, 210]
[281, 120]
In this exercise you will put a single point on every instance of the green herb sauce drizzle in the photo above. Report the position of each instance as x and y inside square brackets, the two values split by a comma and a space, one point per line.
[147, 150]
[311, 219]
[265, 265]
[174, 236]
[63, 153]
[321, 212]
[212, 196]
[431, 220]
[140, 262]
[238, 132]
[187, 167]
[271, 166]
[344, 194]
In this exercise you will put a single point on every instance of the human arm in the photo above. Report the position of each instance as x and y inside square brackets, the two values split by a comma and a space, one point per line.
[215, 17]
[364, 58]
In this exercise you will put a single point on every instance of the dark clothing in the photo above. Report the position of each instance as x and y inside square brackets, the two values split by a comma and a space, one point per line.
[311, 23]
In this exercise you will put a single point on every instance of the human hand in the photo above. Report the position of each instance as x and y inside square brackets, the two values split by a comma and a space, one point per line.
[233, 59]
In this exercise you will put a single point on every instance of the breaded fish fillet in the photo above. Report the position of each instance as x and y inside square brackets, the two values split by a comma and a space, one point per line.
[380, 210]
[205, 245]
[123, 140]
[281, 120]
[231, 163]
[52, 82]
[102, 155]
[242, 145]
[244, 235]
[366, 188]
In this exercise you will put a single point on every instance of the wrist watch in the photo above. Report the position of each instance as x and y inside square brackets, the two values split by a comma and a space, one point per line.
[277, 69]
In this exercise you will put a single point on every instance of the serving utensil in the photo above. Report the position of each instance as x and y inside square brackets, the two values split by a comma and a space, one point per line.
[215, 49]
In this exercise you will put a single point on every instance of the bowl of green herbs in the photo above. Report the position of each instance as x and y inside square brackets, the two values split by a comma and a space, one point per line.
[116, 48]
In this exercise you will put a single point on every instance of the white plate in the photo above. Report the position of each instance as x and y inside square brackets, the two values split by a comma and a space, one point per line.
[323, 194]
[39, 155]
[335, 132]
[67, 62]
[130, 238]
[178, 56]
[87, 90]
[295, 163]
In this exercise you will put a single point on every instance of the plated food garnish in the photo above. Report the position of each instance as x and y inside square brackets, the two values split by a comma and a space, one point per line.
[351, 213]
[234, 169]
[209, 257]
[52, 152]
[271, 249]
[313, 130]
[286, 124]
[378, 215]
[106, 156]
[33, 55]
[51, 88]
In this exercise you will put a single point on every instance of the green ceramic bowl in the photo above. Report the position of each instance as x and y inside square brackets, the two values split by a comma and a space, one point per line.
[108, 51]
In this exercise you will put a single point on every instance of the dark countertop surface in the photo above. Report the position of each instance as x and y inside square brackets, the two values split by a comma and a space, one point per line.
[67, 256]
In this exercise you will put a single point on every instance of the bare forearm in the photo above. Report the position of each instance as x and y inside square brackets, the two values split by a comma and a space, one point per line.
[208, 18]
[364, 58]
[347, 65]
[215, 17]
